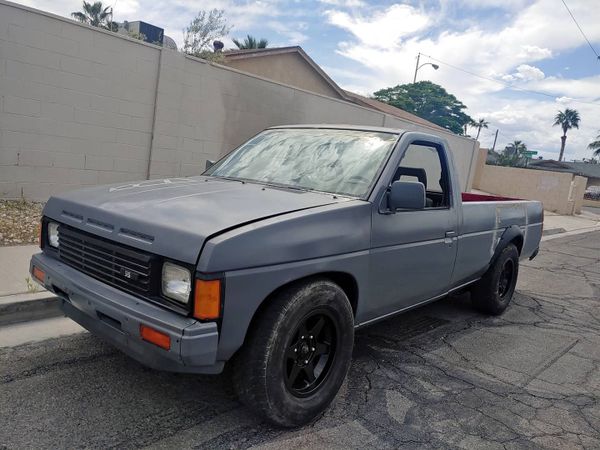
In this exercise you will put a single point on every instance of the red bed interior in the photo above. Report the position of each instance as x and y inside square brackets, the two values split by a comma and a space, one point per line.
[469, 197]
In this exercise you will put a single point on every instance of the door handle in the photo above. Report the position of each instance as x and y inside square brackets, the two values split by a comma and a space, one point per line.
[450, 235]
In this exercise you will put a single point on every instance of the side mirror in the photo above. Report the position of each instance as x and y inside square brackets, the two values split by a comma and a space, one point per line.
[406, 195]
[209, 164]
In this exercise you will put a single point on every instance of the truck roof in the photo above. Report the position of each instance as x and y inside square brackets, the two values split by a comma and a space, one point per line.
[343, 127]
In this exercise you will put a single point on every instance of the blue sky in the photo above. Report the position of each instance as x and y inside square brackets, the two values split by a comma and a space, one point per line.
[367, 45]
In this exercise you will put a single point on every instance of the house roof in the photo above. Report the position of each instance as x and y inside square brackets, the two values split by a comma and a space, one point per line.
[583, 169]
[233, 55]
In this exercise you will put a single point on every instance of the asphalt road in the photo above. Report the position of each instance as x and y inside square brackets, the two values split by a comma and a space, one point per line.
[442, 376]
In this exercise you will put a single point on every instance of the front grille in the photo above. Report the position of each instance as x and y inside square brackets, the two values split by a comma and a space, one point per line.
[123, 267]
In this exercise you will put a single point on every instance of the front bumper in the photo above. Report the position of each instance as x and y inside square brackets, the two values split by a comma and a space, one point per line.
[116, 317]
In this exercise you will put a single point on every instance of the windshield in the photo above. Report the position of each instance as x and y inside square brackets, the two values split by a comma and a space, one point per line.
[342, 162]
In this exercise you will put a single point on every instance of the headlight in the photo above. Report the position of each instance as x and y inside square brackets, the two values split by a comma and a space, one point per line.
[53, 234]
[176, 282]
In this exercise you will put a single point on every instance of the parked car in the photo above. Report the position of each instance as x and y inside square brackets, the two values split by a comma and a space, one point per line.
[273, 257]
[592, 193]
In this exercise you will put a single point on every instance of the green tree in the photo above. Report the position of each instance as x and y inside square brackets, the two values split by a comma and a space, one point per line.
[595, 146]
[567, 119]
[512, 155]
[251, 42]
[479, 124]
[429, 101]
[96, 15]
[202, 30]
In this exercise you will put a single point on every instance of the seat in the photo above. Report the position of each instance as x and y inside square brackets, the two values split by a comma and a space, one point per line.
[419, 174]
[415, 172]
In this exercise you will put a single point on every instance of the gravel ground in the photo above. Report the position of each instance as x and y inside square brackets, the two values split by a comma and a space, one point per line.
[19, 220]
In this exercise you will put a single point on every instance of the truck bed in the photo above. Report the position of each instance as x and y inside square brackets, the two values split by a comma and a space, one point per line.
[470, 197]
[485, 218]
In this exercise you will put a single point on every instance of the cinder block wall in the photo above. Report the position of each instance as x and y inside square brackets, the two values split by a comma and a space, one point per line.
[558, 191]
[76, 105]
[80, 106]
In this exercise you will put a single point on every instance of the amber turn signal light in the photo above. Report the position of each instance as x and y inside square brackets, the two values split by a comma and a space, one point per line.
[39, 274]
[155, 337]
[207, 299]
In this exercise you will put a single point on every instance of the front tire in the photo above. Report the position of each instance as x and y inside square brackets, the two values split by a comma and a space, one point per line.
[297, 354]
[493, 293]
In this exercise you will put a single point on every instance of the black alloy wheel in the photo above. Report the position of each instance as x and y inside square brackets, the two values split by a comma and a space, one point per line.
[506, 278]
[309, 358]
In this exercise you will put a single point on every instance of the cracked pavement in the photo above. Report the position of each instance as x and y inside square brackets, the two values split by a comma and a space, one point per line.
[440, 376]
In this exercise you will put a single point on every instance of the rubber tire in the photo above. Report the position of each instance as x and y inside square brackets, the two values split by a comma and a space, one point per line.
[484, 293]
[257, 371]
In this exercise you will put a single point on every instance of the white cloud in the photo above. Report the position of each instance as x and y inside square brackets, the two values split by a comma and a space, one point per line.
[524, 72]
[534, 53]
[507, 51]
[292, 33]
[383, 29]
[344, 3]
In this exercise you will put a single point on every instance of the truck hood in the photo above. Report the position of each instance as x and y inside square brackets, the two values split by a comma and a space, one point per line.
[174, 217]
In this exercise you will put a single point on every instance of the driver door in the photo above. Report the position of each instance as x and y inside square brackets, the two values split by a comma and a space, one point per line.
[413, 251]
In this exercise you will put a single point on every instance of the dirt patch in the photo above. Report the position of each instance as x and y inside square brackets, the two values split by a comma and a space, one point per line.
[19, 221]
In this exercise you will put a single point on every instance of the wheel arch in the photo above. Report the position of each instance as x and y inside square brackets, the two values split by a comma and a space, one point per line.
[346, 281]
[512, 235]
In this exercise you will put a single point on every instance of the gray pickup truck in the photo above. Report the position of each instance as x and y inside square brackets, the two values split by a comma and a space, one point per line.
[277, 253]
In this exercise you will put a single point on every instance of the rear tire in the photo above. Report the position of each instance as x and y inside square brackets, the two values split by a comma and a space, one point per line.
[493, 293]
[297, 354]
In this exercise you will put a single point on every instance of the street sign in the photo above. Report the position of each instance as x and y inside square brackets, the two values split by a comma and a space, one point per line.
[529, 153]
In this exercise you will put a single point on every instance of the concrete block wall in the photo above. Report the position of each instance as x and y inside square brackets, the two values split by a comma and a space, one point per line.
[80, 106]
[204, 111]
[76, 105]
[560, 192]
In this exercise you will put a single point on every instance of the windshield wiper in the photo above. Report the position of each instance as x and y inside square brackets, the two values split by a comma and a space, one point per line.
[266, 183]
[286, 186]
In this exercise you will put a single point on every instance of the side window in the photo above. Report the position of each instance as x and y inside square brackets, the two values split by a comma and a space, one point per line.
[425, 163]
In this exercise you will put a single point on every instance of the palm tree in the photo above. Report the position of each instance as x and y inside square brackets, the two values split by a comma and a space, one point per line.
[479, 124]
[595, 145]
[567, 119]
[512, 155]
[96, 15]
[251, 42]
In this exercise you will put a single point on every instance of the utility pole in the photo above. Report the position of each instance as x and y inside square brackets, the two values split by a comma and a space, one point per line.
[417, 67]
[495, 138]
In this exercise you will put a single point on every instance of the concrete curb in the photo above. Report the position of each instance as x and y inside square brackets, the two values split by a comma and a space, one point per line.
[27, 307]
[570, 233]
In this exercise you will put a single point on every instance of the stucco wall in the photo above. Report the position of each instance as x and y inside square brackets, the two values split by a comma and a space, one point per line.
[287, 68]
[559, 192]
[79, 106]
[577, 192]
[479, 166]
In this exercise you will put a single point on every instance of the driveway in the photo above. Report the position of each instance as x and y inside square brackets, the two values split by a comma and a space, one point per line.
[441, 376]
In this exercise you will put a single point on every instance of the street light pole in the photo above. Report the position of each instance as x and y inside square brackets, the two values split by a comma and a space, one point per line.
[417, 67]
[495, 139]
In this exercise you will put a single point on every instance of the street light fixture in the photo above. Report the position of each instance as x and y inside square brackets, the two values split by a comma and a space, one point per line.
[417, 67]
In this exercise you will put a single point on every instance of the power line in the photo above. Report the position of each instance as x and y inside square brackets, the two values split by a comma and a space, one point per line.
[545, 94]
[580, 29]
